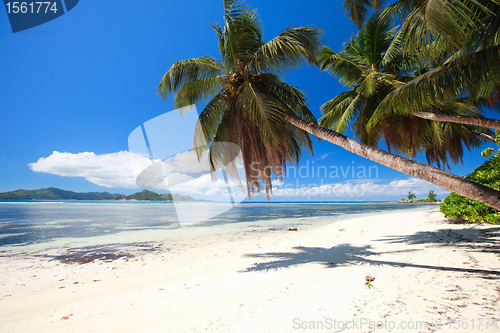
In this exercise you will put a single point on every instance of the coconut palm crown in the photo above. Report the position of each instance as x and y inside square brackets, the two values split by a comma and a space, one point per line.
[372, 66]
[246, 98]
[462, 38]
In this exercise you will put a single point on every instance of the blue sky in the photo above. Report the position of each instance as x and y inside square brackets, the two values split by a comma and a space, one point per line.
[80, 84]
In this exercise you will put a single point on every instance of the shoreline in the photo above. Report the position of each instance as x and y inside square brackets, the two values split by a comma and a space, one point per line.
[425, 269]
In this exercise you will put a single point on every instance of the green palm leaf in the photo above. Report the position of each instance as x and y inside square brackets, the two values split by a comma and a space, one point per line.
[475, 74]
[291, 49]
[186, 71]
[196, 91]
[358, 10]
[343, 66]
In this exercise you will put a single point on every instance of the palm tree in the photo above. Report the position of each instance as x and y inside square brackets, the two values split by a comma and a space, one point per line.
[248, 101]
[462, 38]
[250, 106]
[465, 30]
[371, 65]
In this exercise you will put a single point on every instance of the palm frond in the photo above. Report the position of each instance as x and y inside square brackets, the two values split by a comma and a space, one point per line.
[264, 109]
[210, 119]
[292, 97]
[291, 49]
[375, 37]
[347, 69]
[468, 75]
[196, 91]
[243, 36]
[334, 109]
[359, 126]
[401, 9]
[459, 22]
[393, 51]
[186, 71]
[357, 10]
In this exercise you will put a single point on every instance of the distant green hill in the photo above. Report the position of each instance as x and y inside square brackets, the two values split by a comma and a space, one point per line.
[146, 195]
[53, 193]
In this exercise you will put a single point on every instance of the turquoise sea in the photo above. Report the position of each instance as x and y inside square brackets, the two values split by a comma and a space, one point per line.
[24, 223]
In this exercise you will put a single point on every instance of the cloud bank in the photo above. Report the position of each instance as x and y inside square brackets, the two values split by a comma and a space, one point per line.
[185, 174]
[109, 170]
[358, 189]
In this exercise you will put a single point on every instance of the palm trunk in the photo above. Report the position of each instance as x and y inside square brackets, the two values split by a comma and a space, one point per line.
[468, 120]
[423, 171]
[486, 137]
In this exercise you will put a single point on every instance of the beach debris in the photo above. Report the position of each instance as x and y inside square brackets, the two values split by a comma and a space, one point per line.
[369, 279]
[291, 229]
[66, 317]
[88, 255]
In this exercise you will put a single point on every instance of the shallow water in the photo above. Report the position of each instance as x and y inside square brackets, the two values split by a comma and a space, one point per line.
[28, 223]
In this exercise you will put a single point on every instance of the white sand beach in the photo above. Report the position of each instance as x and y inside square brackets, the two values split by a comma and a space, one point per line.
[430, 275]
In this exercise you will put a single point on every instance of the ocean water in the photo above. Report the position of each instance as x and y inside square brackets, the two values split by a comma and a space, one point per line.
[71, 224]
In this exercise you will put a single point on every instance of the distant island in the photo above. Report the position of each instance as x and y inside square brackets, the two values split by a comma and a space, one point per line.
[53, 193]
[146, 195]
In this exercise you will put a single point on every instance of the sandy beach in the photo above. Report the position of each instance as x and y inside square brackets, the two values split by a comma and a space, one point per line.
[430, 275]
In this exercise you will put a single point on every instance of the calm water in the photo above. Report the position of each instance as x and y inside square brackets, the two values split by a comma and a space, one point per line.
[32, 223]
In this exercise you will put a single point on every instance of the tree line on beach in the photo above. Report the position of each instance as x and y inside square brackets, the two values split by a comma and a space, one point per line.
[419, 75]
[411, 198]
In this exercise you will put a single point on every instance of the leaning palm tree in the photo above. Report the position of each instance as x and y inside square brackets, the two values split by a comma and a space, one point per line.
[250, 106]
[372, 66]
[248, 101]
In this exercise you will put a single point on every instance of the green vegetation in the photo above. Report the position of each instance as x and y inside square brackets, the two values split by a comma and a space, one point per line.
[147, 195]
[412, 198]
[53, 193]
[462, 209]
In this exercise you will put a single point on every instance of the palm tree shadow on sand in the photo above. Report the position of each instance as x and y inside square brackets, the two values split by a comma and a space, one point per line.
[340, 255]
[347, 254]
[477, 240]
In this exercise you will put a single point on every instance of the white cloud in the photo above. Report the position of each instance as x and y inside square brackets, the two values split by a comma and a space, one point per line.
[325, 156]
[359, 189]
[187, 162]
[109, 170]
